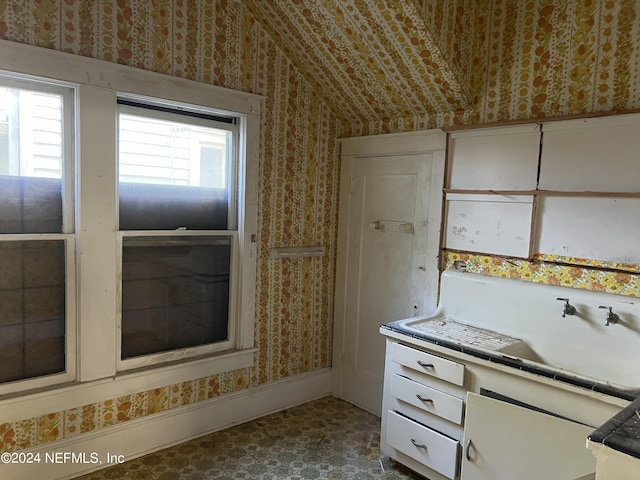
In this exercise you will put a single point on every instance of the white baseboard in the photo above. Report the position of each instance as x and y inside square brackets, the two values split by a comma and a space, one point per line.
[145, 435]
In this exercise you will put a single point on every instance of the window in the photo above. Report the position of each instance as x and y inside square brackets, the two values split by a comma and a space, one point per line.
[177, 183]
[36, 234]
[128, 217]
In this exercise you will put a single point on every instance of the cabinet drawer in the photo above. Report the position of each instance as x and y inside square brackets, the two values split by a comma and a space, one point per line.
[427, 363]
[427, 398]
[427, 446]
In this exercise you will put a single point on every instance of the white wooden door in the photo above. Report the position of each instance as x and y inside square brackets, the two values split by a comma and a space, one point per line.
[390, 263]
[506, 442]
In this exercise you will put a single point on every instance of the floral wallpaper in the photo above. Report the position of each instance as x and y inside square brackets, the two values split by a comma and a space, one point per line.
[405, 65]
[553, 270]
[542, 58]
[336, 68]
[216, 42]
[377, 61]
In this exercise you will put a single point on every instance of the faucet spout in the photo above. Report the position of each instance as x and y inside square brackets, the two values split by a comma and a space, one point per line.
[611, 317]
[568, 308]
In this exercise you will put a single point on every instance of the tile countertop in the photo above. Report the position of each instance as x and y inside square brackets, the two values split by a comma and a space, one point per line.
[532, 367]
[622, 432]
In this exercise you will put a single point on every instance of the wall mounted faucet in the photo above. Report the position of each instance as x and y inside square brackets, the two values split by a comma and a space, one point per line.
[611, 317]
[568, 308]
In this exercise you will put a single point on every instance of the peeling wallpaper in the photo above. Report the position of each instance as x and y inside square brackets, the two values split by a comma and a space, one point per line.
[330, 69]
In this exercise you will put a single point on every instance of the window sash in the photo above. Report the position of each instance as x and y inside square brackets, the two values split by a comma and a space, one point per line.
[68, 93]
[69, 373]
[183, 114]
[187, 352]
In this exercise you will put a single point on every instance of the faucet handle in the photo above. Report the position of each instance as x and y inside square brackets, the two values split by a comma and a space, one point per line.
[568, 308]
[611, 317]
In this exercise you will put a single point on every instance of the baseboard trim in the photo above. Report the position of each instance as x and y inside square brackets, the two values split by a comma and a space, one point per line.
[145, 435]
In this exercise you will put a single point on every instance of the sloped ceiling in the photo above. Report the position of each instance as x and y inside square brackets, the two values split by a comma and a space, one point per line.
[373, 59]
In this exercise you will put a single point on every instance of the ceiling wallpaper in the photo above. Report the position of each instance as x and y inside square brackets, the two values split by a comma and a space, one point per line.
[372, 59]
[410, 64]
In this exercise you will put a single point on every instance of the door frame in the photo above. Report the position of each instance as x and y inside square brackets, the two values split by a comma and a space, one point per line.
[394, 144]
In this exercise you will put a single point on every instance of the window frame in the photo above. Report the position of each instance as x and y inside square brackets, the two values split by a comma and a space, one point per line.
[160, 109]
[97, 85]
[68, 93]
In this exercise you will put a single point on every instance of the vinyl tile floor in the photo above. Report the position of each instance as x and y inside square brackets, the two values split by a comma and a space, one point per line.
[327, 438]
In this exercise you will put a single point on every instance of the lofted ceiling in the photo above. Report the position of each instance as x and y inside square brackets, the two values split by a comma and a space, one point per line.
[374, 60]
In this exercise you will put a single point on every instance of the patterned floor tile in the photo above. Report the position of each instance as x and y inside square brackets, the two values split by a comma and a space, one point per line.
[324, 439]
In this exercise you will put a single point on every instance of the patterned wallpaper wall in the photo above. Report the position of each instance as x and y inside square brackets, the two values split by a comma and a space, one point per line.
[532, 58]
[537, 58]
[216, 42]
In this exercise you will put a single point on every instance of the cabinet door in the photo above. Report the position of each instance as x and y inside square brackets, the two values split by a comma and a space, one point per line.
[503, 158]
[504, 442]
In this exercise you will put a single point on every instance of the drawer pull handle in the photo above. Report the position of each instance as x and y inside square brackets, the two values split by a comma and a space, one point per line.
[467, 451]
[422, 399]
[418, 445]
[426, 365]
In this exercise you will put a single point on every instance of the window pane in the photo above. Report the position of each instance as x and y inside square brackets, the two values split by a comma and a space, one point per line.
[32, 309]
[175, 293]
[172, 174]
[31, 159]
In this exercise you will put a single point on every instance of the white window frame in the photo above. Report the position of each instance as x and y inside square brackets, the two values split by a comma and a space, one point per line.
[97, 86]
[67, 91]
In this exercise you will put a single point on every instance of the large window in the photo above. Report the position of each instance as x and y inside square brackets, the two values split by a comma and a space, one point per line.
[36, 234]
[177, 172]
[128, 217]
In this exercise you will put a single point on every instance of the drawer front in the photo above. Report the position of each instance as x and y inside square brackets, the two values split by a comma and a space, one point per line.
[424, 445]
[427, 398]
[427, 363]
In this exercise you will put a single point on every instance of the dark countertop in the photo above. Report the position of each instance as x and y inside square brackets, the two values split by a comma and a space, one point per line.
[621, 433]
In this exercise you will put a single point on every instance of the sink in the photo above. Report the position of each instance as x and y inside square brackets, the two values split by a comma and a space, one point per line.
[446, 330]
[522, 323]
[460, 333]
[449, 332]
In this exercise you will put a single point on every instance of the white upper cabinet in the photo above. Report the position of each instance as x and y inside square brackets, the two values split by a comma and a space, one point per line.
[593, 155]
[502, 158]
[587, 176]
[494, 159]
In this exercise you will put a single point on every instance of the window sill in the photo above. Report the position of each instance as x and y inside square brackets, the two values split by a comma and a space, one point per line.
[62, 397]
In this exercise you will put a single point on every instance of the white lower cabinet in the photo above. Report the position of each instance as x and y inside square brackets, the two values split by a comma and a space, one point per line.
[436, 422]
[507, 442]
[423, 411]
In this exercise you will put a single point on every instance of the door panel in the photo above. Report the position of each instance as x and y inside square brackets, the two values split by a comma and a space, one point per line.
[387, 264]
[509, 442]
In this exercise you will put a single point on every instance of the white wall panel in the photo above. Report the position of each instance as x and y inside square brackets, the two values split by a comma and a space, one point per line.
[602, 228]
[497, 224]
[594, 154]
[504, 158]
